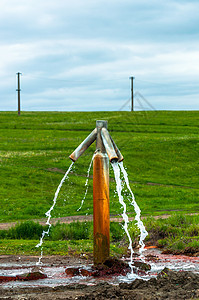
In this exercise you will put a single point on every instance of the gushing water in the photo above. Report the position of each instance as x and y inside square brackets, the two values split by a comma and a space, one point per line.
[86, 185]
[143, 232]
[48, 213]
[116, 170]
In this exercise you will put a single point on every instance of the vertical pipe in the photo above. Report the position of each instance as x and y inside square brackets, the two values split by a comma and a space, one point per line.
[101, 218]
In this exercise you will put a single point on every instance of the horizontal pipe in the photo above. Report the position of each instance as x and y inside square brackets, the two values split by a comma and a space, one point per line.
[99, 143]
[119, 154]
[108, 145]
[84, 145]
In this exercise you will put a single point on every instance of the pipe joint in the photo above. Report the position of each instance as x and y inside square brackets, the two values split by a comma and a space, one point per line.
[104, 143]
[108, 145]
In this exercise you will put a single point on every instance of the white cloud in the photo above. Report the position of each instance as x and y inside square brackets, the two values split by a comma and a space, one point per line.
[77, 51]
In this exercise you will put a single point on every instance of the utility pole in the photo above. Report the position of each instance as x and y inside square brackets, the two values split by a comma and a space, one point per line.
[132, 100]
[18, 90]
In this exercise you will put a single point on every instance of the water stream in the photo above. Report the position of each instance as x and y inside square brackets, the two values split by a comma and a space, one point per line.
[48, 214]
[116, 170]
[86, 185]
[143, 232]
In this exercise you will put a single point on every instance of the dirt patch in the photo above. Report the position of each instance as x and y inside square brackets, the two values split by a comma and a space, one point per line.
[80, 218]
[168, 285]
[189, 251]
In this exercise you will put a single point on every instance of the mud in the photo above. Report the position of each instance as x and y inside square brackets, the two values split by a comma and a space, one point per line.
[167, 285]
[111, 267]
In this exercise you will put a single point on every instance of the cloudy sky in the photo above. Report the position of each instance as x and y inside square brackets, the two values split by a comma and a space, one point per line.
[78, 55]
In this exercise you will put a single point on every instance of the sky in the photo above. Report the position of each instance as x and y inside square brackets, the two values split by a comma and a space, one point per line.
[79, 55]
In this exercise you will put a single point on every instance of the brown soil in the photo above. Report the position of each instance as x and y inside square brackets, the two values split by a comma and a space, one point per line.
[168, 285]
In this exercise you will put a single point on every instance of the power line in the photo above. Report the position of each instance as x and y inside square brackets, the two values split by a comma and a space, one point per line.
[138, 97]
[123, 106]
[138, 94]
[73, 81]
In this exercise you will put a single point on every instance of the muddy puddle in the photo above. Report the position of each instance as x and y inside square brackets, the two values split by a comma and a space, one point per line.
[56, 276]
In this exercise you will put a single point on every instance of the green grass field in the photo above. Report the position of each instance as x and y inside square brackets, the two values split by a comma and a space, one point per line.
[177, 234]
[160, 150]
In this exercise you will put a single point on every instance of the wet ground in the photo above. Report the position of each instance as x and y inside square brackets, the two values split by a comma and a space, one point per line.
[170, 277]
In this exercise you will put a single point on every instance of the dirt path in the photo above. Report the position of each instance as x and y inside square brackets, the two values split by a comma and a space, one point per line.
[70, 219]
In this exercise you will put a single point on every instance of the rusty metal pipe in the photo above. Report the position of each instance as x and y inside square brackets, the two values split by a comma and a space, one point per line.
[108, 145]
[106, 150]
[84, 145]
[101, 217]
[99, 143]
[101, 123]
[119, 154]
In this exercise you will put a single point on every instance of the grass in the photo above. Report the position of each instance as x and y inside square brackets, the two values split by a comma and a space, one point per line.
[161, 153]
[64, 239]
[178, 234]
[71, 248]
[27, 247]
[27, 230]
[160, 149]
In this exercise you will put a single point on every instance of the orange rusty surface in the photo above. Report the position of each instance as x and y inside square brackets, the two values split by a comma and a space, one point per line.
[101, 216]
[150, 247]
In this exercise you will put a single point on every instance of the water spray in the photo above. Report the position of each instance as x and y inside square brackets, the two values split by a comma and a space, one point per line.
[48, 214]
[106, 150]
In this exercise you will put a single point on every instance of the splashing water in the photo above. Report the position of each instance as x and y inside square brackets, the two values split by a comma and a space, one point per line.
[48, 213]
[86, 185]
[116, 170]
[143, 232]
